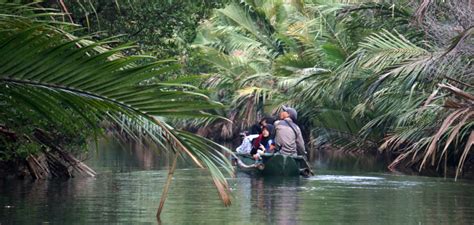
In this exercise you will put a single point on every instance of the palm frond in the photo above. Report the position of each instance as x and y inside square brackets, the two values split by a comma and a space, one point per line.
[46, 70]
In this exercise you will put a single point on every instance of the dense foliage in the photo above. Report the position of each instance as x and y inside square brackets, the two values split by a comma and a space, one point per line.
[381, 76]
[163, 29]
[391, 76]
[53, 84]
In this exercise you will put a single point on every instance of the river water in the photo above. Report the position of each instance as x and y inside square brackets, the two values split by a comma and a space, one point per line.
[128, 187]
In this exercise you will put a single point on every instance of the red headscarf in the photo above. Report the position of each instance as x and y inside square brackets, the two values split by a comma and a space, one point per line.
[261, 139]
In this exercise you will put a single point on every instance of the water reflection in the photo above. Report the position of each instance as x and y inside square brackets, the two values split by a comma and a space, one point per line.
[129, 185]
[274, 199]
[346, 161]
[125, 157]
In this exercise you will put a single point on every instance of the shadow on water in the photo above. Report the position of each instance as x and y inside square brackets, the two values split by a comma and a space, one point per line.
[346, 190]
[125, 157]
[347, 162]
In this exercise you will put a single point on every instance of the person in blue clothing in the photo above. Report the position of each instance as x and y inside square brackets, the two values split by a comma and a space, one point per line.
[264, 143]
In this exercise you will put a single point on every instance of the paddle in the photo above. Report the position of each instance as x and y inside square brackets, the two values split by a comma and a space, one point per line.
[306, 164]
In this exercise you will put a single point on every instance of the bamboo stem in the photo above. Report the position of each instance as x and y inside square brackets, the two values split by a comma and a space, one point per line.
[164, 195]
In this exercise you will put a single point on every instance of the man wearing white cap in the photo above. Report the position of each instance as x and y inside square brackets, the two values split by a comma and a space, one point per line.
[288, 135]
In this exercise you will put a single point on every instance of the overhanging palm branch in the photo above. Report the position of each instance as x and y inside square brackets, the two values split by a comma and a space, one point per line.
[249, 102]
[241, 44]
[46, 70]
[381, 53]
[458, 125]
[244, 16]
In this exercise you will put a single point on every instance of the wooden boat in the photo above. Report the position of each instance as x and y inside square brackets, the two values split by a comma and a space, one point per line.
[273, 164]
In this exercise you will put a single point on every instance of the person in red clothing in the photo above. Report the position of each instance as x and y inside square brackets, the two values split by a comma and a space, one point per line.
[264, 143]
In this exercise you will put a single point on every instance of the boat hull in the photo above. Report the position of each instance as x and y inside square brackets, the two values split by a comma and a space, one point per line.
[272, 165]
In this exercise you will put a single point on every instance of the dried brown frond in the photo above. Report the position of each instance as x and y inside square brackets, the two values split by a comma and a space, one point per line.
[466, 151]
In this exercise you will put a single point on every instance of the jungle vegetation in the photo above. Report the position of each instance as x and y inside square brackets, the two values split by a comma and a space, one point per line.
[59, 89]
[380, 76]
[366, 76]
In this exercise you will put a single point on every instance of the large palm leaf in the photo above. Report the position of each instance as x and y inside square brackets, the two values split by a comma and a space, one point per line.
[242, 41]
[46, 70]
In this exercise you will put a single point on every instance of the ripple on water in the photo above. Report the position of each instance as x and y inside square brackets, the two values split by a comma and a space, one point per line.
[344, 178]
[363, 182]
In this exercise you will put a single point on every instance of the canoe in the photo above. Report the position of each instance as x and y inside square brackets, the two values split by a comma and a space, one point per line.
[273, 165]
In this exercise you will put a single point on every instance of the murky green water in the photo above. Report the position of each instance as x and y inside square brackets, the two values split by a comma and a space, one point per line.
[128, 189]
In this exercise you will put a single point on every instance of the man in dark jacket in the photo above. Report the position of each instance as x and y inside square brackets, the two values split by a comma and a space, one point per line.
[288, 135]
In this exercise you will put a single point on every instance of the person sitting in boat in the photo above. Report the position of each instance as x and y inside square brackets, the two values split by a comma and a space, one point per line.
[288, 136]
[264, 143]
[246, 145]
[257, 128]
[266, 121]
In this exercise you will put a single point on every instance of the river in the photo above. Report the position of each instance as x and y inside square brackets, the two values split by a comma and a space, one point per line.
[128, 188]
